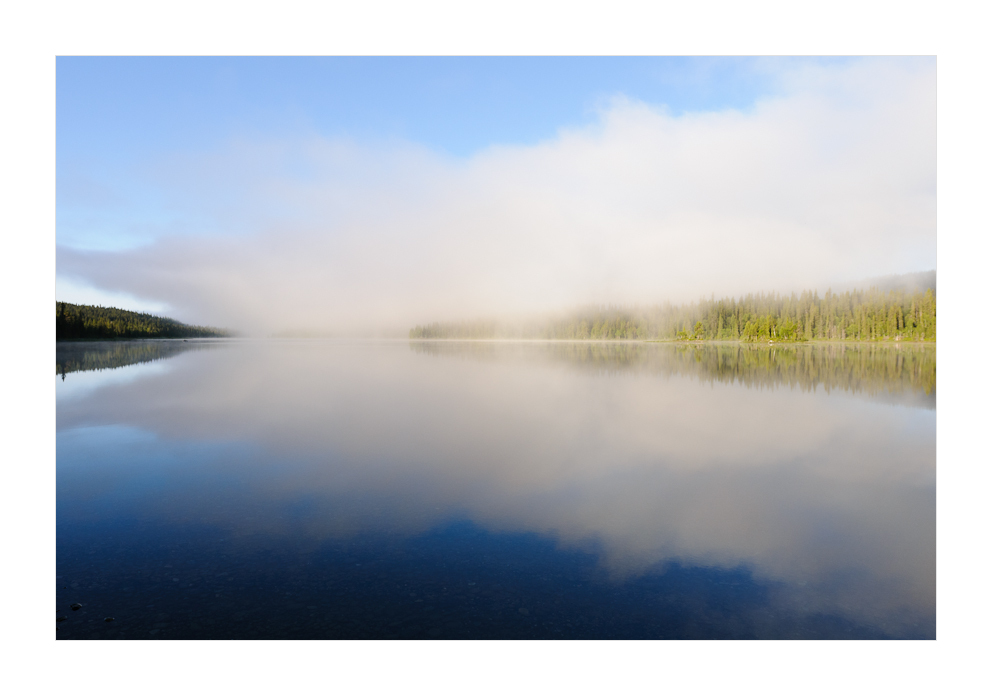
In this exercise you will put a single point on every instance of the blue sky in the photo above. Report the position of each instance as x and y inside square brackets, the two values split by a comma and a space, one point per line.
[161, 158]
[112, 109]
[116, 115]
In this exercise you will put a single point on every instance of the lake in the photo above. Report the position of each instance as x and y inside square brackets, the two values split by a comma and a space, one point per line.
[333, 489]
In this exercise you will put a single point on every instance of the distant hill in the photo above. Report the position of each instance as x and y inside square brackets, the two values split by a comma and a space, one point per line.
[74, 321]
[907, 282]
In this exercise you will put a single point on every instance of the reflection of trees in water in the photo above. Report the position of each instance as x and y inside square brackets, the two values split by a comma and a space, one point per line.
[107, 355]
[872, 369]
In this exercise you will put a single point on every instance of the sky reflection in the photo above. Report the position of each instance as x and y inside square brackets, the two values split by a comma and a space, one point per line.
[830, 495]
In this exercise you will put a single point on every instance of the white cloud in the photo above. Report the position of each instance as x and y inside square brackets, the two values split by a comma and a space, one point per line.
[833, 180]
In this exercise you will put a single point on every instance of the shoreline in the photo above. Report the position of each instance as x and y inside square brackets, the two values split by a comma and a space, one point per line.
[598, 341]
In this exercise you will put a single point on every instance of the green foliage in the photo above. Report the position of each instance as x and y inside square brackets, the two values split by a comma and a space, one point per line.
[455, 330]
[74, 321]
[858, 315]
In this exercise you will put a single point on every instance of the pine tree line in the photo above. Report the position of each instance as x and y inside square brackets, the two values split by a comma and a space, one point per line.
[74, 321]
[857, 315]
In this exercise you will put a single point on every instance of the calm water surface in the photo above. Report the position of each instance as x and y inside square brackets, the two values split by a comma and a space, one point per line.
[395, 490]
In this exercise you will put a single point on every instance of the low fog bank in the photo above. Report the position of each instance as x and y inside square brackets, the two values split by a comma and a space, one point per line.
[832, 181]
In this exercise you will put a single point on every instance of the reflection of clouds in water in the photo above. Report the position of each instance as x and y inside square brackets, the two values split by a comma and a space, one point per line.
[804, 487]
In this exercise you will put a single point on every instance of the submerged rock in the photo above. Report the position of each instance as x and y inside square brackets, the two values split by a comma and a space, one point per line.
[59, 618]
[109, 618]
[76, 607]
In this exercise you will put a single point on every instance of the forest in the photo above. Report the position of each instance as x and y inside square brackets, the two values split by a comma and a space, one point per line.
[854, 315]
[74, 321]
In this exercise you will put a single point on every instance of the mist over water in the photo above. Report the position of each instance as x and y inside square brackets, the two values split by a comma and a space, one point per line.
[589, 489]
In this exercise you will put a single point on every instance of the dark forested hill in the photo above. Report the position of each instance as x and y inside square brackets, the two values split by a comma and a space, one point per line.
[859, 315]
[74, 321]
[907, 282]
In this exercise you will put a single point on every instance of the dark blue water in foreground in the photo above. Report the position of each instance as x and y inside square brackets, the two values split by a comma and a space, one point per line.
[372, 491]
[455, 582]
